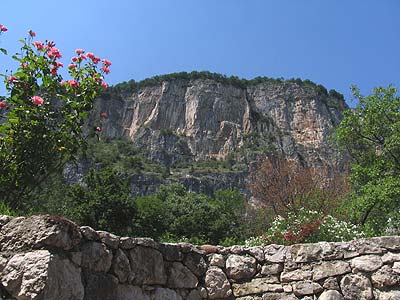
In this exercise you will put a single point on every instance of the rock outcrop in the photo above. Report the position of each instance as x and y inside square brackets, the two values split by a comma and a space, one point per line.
[50, 258]
[177, 122]
[194, 119]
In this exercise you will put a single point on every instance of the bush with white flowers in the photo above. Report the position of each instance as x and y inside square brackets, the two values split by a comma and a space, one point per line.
[306, 226]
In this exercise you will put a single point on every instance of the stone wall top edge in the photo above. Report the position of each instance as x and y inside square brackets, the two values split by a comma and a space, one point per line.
[62, 229]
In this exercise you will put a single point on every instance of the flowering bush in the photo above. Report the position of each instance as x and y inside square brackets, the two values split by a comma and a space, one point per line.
[42, 115]
[306, 226]
[393, 223]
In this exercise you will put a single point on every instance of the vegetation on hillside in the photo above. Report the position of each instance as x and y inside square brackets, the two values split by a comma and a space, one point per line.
[103, 200]
[172, 214]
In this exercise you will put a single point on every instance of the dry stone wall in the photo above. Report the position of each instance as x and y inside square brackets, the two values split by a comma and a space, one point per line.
[47, 257]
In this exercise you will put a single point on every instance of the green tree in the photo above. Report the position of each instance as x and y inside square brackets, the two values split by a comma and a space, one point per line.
[174, 214]
[231, 222]
[152, 218]
[191, 215]
[370, 134]
[102, 202]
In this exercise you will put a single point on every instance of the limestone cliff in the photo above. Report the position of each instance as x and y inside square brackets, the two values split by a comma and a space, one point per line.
[194, 119]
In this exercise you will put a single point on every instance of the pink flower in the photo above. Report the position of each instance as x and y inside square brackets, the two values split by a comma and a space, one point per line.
[38, 45]
[3, 104]
[54, 53]
[98, 129]
[103, 115]
[73, 83]
[24, 65]
[90, 55]
[53, 71]
[3, 28]
[71, 66]
[63, 82]
[74, 59]
[37, 100]
[83, 56]
[59, 64]
[96, 60]
[32, 33]
[79, 51]
[106, 62]
[11, 79]
[104, 84]
[105, 69]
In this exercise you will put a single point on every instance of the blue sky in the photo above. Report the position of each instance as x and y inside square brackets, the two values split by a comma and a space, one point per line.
[336, 43]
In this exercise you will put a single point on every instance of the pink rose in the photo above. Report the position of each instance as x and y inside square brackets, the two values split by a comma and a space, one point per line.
[3, 28]
[79, 51]
[96, 60]
[53, 71]
[104, 84]
[83, 56]
[11, 79]
[73, 83]
[74, 59]
[38, 45]
[54, 53]
[59, 64]
[105, 69]
[24, 65]
[98, 129]
[106, 62]
[37, 100]
[90, 55]
[71, 66]
[32, 33]
[3, 104]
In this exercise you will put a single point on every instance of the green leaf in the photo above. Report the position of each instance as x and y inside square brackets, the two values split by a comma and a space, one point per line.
[4, 51]
[13, 120]
[83, 115]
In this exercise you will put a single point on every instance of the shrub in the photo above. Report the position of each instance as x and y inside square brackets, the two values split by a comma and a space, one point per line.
[42, 116]
[306, 226]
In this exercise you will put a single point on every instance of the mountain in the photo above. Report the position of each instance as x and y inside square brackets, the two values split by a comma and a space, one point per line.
[185, 120]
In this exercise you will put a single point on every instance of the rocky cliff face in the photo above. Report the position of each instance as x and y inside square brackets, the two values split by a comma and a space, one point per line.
[202, 118]
[177, 122]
